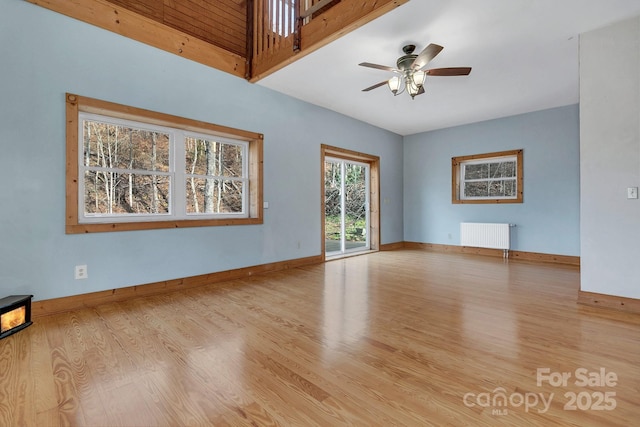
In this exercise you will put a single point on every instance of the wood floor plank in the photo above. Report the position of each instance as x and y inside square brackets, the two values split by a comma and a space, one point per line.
[68, 395]
[403, 337]
[14, 358]
[42, 395]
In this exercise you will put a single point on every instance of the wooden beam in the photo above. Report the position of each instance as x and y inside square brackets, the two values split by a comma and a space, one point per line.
[343, 18]
[137, 27]
[313, 9]
[337, 21]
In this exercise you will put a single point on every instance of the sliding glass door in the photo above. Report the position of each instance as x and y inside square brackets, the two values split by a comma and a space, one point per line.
[346, 205]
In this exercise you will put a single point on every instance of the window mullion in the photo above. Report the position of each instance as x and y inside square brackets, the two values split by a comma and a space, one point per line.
[81, 169]
[179, 175]
[246, 188]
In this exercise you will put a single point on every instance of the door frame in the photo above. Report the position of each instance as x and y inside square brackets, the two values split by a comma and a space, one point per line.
[374, 191]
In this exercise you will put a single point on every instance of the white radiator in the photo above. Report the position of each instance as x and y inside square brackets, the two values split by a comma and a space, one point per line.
[485, 235]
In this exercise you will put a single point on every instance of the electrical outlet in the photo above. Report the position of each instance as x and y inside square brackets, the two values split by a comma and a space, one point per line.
[81, 272]
[632, 192]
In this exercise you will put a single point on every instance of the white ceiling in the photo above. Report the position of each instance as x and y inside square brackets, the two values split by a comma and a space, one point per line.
[524, 55]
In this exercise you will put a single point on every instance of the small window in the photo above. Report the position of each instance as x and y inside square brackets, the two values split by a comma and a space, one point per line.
[135, 169]
[488, 178]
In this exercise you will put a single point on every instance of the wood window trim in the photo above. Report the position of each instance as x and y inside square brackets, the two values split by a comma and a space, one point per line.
[76, 104]
[455, 177]
[374, 190]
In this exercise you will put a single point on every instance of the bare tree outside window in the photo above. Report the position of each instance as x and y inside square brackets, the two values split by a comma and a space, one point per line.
[355, 200]
[126, 169]
[215, 171]
[492, 179]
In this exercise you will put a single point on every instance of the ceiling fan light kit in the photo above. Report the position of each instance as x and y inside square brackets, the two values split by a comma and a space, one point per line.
[411, 76]
[412, 82]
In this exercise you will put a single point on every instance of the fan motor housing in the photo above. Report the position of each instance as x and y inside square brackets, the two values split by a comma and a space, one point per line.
[405, 62]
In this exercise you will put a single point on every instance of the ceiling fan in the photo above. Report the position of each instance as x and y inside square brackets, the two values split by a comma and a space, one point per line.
[411, 75]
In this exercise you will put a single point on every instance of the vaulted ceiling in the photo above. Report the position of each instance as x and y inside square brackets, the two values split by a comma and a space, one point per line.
[524, 55]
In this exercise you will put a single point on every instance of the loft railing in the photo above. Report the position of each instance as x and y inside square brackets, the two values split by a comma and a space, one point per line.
[276, 29]
[274, 21]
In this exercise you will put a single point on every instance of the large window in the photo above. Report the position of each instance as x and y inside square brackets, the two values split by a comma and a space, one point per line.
[135, 169]
[488, 178]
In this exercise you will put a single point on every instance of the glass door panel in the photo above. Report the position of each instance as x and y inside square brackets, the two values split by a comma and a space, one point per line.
[346, 205]
[333, 206]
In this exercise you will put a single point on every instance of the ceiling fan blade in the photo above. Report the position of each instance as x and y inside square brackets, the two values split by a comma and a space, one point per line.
[452, 71]
[427, 54]
[376, 66]
[375, 86]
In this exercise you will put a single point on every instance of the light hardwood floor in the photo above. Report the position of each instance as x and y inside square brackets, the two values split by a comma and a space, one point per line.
[392, 338]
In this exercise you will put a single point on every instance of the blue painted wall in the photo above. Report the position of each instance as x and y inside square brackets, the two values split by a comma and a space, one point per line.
[549, 219]
[43, 55]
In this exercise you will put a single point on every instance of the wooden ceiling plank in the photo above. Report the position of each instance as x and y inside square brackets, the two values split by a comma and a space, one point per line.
[223, 37]
[149, 8]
